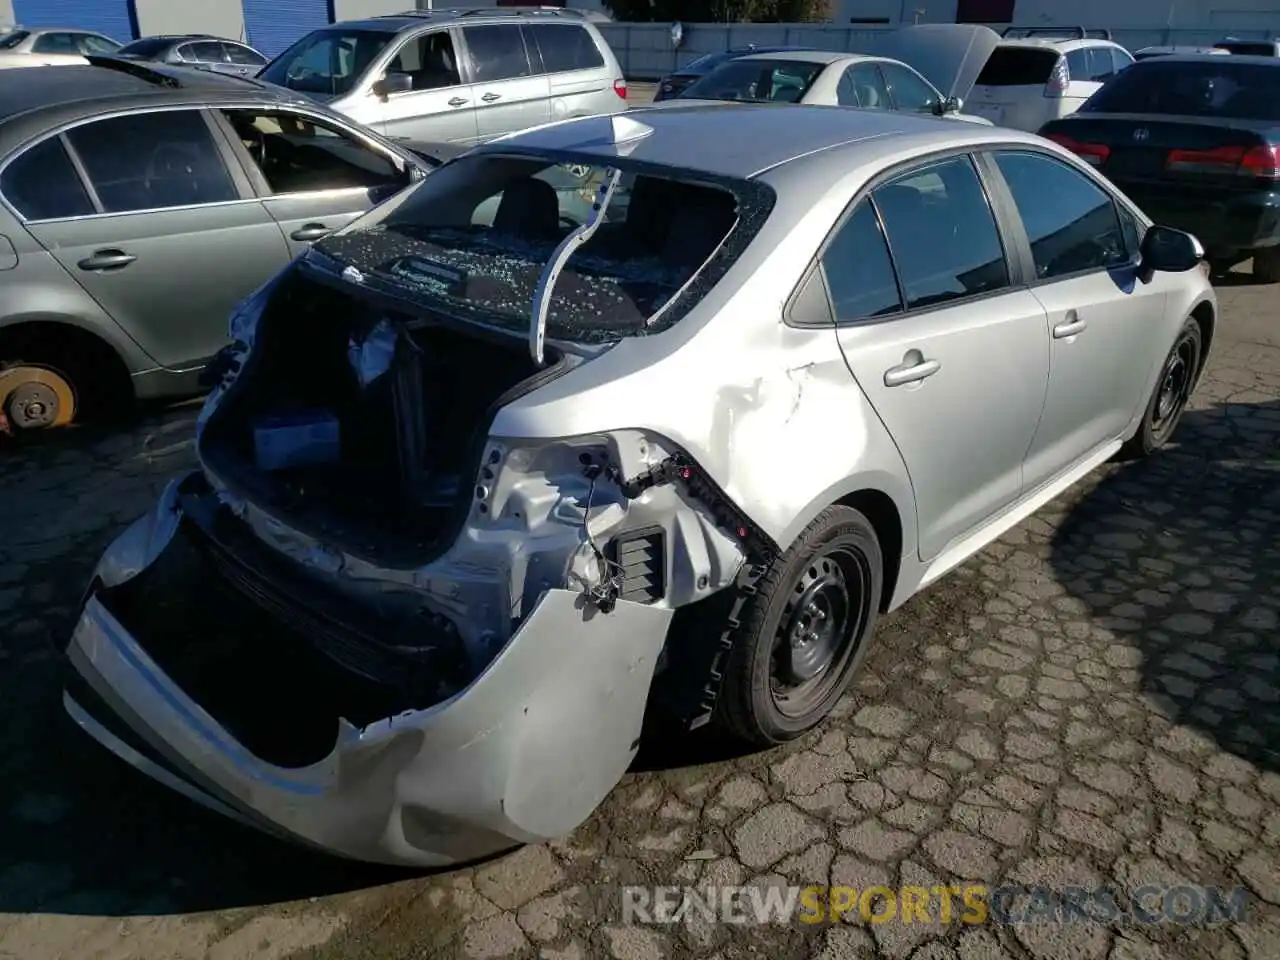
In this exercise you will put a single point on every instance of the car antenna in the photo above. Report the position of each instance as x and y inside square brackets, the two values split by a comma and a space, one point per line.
[626, 133]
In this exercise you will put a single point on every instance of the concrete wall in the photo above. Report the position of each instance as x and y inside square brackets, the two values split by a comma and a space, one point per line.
[6, 13]
[221, 18]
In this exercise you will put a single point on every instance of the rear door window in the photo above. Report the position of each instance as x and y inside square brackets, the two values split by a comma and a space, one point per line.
[204, 52]
[42, 184]
[564, 47]
[1071, 222]
[1017, 67]
[1120, 59]
[56, 43]
[150, 161]
[942, 234]
[858, 269]
[497, 52]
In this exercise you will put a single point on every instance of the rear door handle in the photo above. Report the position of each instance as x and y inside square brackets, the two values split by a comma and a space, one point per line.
[490, 97]
[107, 260]
[913, 369]
[311, 231]
[458, 102]
[1070, 326]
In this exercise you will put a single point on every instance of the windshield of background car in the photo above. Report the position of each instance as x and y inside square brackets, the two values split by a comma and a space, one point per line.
[758, 81]
[144, 49]
[474, 237]
[1219, 87]
[11, 40]
[705, 62]
[1248, 48]
[326, 62]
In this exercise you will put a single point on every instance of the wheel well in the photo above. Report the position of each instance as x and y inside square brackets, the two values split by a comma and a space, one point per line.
[883, 514]
[1203, 315]
[103, 372]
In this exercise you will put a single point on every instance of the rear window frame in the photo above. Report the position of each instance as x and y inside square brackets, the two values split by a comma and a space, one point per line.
[755, 199]
[1049, 54]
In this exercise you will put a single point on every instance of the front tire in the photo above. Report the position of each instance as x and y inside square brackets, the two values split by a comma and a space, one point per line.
[1169, 398]
[805, 632]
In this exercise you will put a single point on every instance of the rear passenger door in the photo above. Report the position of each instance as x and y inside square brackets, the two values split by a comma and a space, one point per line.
[945, 342]
[175, 238]
[511, 95]
[578, 83]
[1104, 328]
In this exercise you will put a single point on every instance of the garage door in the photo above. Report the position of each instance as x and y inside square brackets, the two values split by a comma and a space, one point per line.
[272, 25]
[115, 18]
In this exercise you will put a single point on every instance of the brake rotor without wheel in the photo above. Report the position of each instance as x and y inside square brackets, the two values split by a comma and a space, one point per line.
[35, 398]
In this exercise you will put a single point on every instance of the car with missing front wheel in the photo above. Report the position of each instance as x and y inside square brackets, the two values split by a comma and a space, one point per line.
[1195, 141]
[139, 203]
[647, 417]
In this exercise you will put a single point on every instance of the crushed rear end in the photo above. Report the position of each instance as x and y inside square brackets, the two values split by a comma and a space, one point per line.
[371, 623]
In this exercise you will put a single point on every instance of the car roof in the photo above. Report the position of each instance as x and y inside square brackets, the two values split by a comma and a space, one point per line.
[395, 23]
[749, 138]
[65, 94]
[803, 56]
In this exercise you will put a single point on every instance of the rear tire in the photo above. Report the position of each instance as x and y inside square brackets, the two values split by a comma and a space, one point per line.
[53, 378]
[1266, 265]
[1169, 397]
[805, 632]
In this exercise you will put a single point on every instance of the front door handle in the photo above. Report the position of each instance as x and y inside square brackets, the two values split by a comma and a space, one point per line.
[311, 231]
[107, 260]
[458, 102]
[913, 369]
[1070, 326]
[490, 97]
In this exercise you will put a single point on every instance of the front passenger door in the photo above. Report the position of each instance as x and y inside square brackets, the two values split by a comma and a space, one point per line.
[949, 352]
[1103, 325]
[176, 238]
[314, 177]
[440, 107]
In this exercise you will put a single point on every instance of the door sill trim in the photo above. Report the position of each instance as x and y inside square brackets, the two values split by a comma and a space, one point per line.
[967, 545]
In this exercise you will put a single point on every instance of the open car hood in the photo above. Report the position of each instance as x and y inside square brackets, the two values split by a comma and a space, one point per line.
[950, 55]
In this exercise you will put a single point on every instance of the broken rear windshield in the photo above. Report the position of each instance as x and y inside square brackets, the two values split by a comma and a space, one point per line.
[475, 236]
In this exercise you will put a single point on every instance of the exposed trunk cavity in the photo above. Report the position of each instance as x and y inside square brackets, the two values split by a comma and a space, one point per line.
[413, 411]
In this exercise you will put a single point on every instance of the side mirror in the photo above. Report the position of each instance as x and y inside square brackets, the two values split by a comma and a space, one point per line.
[947, 105]
[1167, 250]
[392, 83]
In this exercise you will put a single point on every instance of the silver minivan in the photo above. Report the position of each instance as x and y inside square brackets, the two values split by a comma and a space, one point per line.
[456, 76]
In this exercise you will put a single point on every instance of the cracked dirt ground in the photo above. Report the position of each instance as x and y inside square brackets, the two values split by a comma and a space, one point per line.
[1093, 699]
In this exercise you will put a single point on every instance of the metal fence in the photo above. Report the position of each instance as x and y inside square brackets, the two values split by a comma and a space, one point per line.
[646, 53]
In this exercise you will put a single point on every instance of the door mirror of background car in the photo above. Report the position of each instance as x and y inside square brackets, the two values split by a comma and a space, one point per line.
[1169, 251]
[393, 83]
[947, 105]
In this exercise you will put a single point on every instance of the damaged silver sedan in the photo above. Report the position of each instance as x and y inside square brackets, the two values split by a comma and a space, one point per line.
[616, 418]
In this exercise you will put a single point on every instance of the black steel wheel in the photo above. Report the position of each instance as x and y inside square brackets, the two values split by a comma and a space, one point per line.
[1172, 391]
[805, 632]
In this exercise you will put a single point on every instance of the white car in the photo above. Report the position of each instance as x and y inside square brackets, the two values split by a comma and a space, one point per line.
[918, 69]
[1043, 75]
[52, 47]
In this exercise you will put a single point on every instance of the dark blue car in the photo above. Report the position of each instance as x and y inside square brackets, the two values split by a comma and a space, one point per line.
[671, 85]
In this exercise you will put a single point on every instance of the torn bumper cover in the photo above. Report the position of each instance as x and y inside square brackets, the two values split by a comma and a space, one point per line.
[523, 753]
